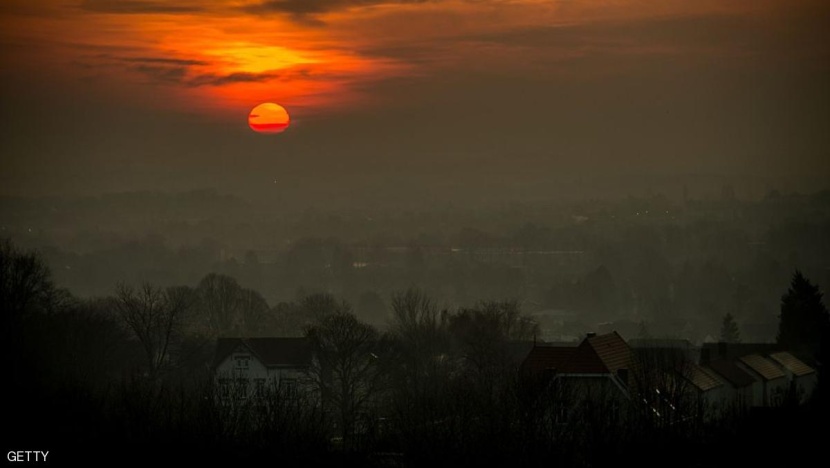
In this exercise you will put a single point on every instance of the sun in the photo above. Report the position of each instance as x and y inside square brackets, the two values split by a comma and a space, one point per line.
[268, 118]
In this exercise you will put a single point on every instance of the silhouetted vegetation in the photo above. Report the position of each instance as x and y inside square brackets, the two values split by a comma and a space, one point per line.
[400, 378]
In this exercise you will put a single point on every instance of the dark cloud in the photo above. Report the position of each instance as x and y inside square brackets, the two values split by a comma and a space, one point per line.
[220, 80]
[171, 74]
[136, 6]
[311, 7]
[164, 61]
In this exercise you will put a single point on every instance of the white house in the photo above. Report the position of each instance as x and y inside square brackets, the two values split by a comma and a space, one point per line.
[771, 386]
[247, 367]
[801, 377]
[740, 385]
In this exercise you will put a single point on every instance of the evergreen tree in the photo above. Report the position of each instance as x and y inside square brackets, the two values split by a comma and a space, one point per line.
[729, 332]
[804, 319]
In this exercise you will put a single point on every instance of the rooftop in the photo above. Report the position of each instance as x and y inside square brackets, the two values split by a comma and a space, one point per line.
[792, 363]
[766, 368]
[272, 351]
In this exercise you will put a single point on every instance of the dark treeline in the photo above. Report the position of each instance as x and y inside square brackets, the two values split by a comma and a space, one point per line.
[128, 376]
[675, 265]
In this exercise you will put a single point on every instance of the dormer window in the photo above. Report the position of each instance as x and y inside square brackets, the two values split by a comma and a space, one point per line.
[242, 361]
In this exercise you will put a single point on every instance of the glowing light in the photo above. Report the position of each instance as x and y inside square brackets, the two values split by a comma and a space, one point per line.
[268, 118]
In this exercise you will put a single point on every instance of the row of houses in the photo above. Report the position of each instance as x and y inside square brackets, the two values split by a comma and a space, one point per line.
[719, 375]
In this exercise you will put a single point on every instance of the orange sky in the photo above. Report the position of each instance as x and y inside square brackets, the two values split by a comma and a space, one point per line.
[315, 55]
[140, 94]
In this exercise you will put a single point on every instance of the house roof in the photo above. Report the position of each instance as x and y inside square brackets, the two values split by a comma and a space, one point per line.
[766, 368]
[603, 354]
[731, 373]
[702, 379]
[792, 363]
[721, 350]
[271, 352]
[611, 349]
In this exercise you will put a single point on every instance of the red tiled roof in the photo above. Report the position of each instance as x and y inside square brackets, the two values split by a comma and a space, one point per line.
[611, 349]
[272, 352]
[603, 354]
[702, 379]
[763, 366]
[792, 363]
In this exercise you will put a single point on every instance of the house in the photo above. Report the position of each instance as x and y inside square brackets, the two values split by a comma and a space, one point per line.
[802, 379]
[771, 381]
[248, 367]
[713, 392]
[597, 367]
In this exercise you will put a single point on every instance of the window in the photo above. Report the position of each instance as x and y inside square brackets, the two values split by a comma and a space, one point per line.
[241, 389]
[259, 388]
[242, 361]
[225, 388]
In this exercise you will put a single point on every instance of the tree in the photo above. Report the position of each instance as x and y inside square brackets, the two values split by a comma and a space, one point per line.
[25, 285]
[412, 311]
[345, 370]
[485, 331]
[804, 319]
[219, 299]
[26, 290]
[319, 305]
[155, 316]
[729, 332]
[253, 312]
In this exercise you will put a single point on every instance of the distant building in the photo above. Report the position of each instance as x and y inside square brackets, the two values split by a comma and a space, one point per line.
[738, 391]
[712, 392]
[771, 381]
[245, 368]
[597, 367]
[802, 378]
[759, 374]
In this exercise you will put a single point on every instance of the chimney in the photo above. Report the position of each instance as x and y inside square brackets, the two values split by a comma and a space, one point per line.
[591, 334]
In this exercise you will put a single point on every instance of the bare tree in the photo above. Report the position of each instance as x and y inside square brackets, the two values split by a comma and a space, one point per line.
[320, 305]
[662, 389]
[155, 315]
[345, 369]
[219, 301]
[483, 334]
[25, 284]
[414, 310]
[253, 312]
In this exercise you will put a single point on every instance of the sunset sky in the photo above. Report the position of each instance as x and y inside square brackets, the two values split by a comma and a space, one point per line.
[513, 95]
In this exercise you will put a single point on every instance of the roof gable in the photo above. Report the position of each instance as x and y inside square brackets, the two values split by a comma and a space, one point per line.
[611, 349]
[271, 352]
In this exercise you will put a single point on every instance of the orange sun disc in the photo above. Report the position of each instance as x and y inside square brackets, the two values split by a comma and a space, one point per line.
[268, 118]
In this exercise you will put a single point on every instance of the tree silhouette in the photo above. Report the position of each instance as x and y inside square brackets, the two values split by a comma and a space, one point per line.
[219, 301]
[804, 319]
[729, 332]
[155, 316]
[345, 370]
